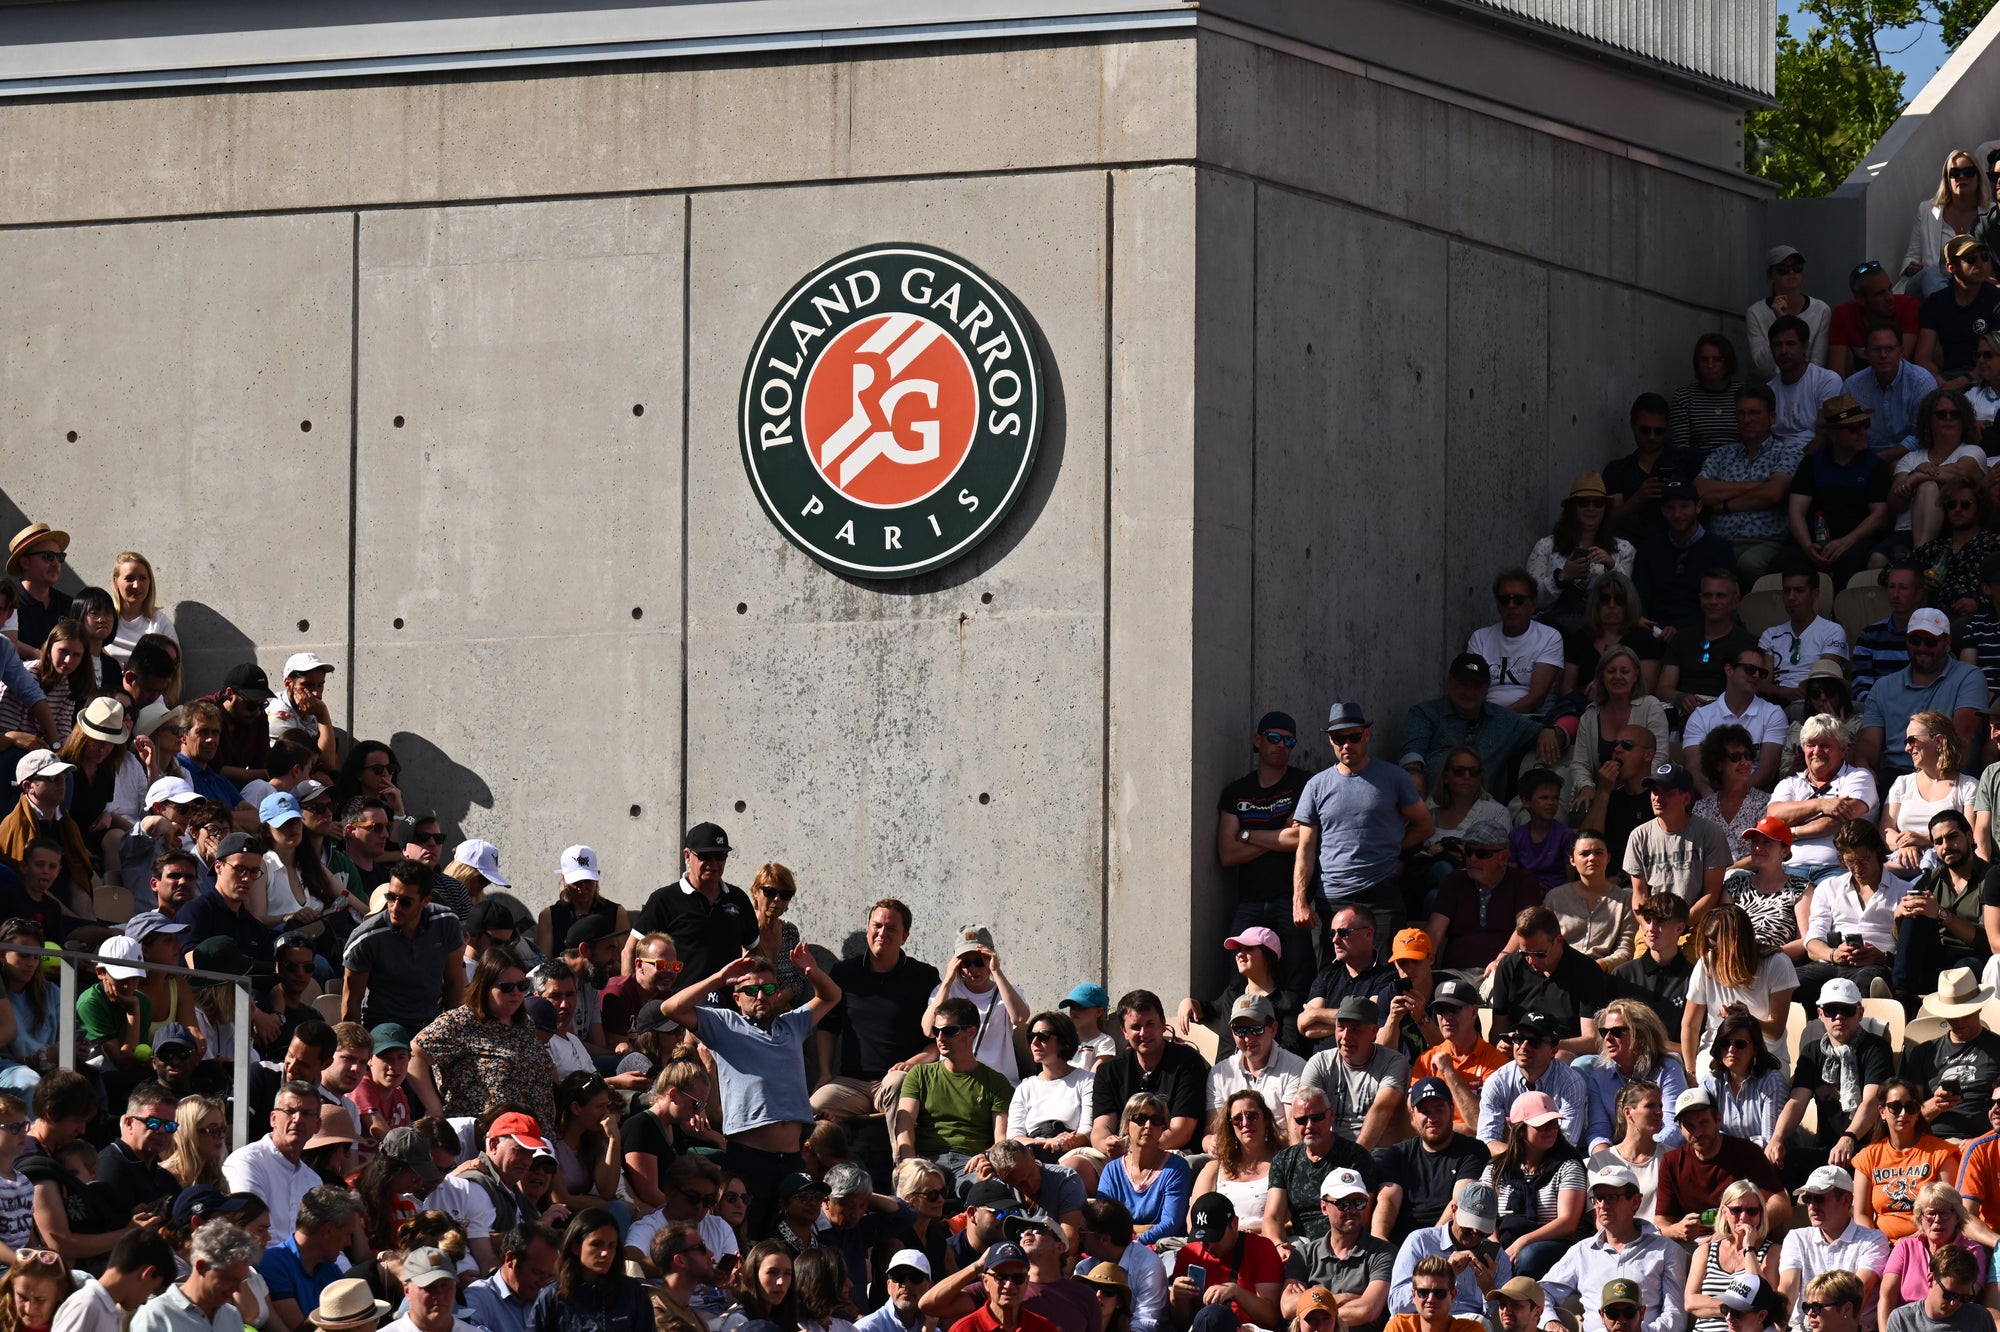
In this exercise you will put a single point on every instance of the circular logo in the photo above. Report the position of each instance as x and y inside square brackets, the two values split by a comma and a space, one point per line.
[891, 410]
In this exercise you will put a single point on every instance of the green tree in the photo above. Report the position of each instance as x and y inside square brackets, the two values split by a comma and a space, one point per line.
[1836, 95]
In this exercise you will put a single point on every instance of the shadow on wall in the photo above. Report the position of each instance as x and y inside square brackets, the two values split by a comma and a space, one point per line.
[210, 644]
[435, 782]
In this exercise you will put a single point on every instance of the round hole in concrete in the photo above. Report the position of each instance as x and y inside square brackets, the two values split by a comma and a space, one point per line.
[71, 437]
[638, 612]
[306, 427]
[397, 622]
[742, 608]
[398, 423]
[635, 811]
[741, 806]
[986, 598]
[304, 625]
[638, 409]
[985, 799]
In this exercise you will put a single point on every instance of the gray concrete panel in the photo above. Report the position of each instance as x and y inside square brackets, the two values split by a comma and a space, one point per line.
[1500, 489]
[1351, 436]
[203, 370]
[517, 581]
[971, 108]
[909, 738]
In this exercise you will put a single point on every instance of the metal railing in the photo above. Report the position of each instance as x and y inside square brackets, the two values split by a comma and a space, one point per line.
[66, 1028]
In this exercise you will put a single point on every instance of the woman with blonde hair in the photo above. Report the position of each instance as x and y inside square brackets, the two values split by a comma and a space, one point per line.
[1936, 750]
[200, 1143]
[1151, 1182]
[35, 1286]
[1730, 972]
[1945, 447]
[771, 893]
[1951, 211]
[1741, 1243]
[1636, 1049]
[1940, 1219]
[1618, 698]
[579, 895]
[922, 1184]
[137, 598]
[1246, 1138]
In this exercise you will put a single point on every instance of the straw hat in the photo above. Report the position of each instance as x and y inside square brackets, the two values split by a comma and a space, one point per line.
[1588, 485]
[348, 1304]
[1959, 994]
[30, 535]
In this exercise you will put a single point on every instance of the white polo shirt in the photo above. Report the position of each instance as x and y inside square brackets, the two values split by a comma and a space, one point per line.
[1812, 852]
[1793, 651]
[260, 1169]
[1808, 1252]
[1764, 720]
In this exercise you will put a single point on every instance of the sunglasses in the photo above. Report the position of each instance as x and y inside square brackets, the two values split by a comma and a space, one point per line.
[711, 857]
[1837, 1010]
[1513, 598]
[779, 894]
[1485, 853]
[671, 968]
[1345, 737]
[426, 839]
[1614, 1033]
[510, 987]
[1533, 1042]
[1305, 1120]
[928, 1195]
[1625, 744]
[1900, 1107]
[765, 987]
[1954, 1296]
[1733, 1046]
[213, 1130]
[1739, 756]
[1963, 173]
[945, 1029]
[1008, 1278]
[1755, 672]
[1945, 414]
[1745, 1211]
[1790, 266]
[154, 1124]
[1042, 1036]
[1464, 770]
[1430, 1292]
[1811, 1307]
[1620, 1313]
[1280, 738]
[1247, 1032]
[700, 1199]
[1246, 1117]
[1145, 1118]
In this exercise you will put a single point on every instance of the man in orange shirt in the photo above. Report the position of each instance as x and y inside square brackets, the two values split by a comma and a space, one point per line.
[1464, 1059]
[1433, 1286]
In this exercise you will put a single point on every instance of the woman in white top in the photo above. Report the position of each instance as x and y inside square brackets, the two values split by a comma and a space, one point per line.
[1942, 420]
[1460, 794]
[1961, 194]
[1582, 548]
[1246, 1138]
[1984, 395]
[1936, 784]
[139, 614]
[1051, 1110]
[1786, 268]
[1728, 973]
[296, 888]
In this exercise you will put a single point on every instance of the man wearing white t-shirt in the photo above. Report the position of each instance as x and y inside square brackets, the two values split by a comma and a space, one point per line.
[300, 704]
[1525, 655]
[1742, 677]
[1801, 640]
[974, 975]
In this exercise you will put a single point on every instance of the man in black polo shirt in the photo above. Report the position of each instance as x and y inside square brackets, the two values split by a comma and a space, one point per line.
[711, 922]
[1352, 970]
[1254, 836]
[1149, 1063]
[1658, 977]
[877, 1025]
[1420, 1173]
[35, 556]
[1548, 976]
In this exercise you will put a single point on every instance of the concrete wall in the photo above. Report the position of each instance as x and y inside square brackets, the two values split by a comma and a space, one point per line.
[1321, 350]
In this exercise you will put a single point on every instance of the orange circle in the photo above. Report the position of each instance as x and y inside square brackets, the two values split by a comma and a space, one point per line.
[889, 456]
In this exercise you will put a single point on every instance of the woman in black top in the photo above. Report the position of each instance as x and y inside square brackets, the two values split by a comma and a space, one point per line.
[591, 1292]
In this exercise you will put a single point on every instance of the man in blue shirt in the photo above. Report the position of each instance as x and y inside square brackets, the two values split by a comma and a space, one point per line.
[1469, 1232]
[1891, 388]
[307, 1262]
[198, 749]
[1745, 485]
[500, 1303]
[1435, 727]
[1356, 819]
[1934, 681]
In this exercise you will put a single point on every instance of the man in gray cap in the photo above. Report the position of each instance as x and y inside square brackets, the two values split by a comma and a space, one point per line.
[430, 1284]
[1356, 819]
[1472, 919]
[1465, 1237]
[1363, 1080]
[1260, 1064]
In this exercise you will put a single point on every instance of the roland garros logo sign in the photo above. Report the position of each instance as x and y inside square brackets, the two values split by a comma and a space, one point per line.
[891, 409]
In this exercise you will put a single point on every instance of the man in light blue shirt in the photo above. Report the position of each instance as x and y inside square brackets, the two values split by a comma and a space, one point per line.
[501, 1302]
[909, 1276]
[1623, 1249]
[1891, 387]
[219, 1259]
[1478, 1216]
[1535, 1068]
[1934, 681]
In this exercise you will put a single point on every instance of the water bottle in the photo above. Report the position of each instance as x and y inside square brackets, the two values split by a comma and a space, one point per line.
[1821, 533]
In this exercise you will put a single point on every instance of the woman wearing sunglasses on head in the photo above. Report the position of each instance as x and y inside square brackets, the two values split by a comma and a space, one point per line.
[485, 1050]
[1749, 1086]
[1890, 1172]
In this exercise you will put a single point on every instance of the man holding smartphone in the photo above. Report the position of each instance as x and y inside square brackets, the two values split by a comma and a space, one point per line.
[1960, 1068]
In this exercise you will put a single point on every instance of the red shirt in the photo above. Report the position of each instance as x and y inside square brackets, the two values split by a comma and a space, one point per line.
[1690, 1184]
[1257, 1265]
[1848, 324]
[982, 1320]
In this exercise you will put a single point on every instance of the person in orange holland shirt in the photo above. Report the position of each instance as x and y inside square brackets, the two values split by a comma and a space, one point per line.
[1897, 1166]
[1463, 1059]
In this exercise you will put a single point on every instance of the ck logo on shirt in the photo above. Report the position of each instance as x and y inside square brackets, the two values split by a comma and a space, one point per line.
[1505, 675]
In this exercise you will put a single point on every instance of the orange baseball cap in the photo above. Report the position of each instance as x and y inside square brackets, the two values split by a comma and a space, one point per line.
[1773, 827]
[1411, 945]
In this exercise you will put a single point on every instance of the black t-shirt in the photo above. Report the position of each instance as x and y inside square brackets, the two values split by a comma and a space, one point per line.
[1579, 652]
[1260, 808]
[879, 1018]
[1838, 1082]
[1701, 659]
[1664, 989]
[706, 938]
[1181, 1081]
[1669, 576]
[644, 1135]
[1623, 476]
[1958, 327]
[1577, 987]
[1428, 1178]
[34, 619]
[48, 913]
[1842, 495]
[131, 1184]
[1974, 1066]
[1333, 984]
[1623, 811]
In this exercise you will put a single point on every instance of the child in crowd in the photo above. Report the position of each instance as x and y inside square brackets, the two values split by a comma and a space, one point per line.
[379, 1095]
[17, 1194]
[1541, 845]
[35, 899]
[1085, 1006]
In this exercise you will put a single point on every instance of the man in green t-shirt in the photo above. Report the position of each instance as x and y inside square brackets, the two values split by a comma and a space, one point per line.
[115, 1016]
[955, 1108]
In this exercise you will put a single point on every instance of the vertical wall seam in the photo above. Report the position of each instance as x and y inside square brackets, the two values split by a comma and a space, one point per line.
[1256, 196]
[1110, 480]
[353, 455]
[687, 324]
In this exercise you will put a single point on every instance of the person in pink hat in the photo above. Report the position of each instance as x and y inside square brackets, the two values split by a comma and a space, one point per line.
[1542, 1184]
[1259, 954]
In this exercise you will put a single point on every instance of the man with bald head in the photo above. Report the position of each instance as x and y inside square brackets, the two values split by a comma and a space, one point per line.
[1617, 802]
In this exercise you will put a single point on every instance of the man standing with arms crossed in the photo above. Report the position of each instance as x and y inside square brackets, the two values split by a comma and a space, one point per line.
[1355, 820]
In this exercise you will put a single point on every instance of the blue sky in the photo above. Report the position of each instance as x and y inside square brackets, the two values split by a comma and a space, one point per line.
[1917, 52]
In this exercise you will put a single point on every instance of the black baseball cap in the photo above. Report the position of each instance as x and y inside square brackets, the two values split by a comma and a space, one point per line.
[587, 930]
[488, 915]
[706, 837]
[990, 1193]
[250, 681]
[1209, 1218]
[1471, 668]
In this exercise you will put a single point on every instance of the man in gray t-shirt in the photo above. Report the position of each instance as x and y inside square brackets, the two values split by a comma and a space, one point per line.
[1951, 1301]
[402, 963]
[1675, 851]
[1347, 1260]
[1356, 818]
[1363, 1082]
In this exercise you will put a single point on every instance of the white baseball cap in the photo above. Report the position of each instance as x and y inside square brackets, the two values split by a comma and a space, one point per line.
[1928, 621]
[302, 663]
[120, 948]
[1694, 1098]
[39, 763]
[1343, 1183]
[912, 1258]
[1840, 991]
[578, 862]
[482, 856]
[1617, 1175]
[171, 790]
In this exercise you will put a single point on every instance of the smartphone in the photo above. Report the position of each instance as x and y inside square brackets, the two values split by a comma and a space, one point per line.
[1950, 1087]
[1197, 1274]
[1853, 939]
[1581, 552]
[1404, 985]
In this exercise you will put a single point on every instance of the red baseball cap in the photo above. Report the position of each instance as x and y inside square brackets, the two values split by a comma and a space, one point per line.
[1773, 827]
[521, 1128]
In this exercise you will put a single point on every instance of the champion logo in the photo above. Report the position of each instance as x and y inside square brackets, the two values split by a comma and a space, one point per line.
[891, 410]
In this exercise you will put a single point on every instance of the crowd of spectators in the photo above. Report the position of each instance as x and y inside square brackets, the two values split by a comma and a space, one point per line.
[1651, 984]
